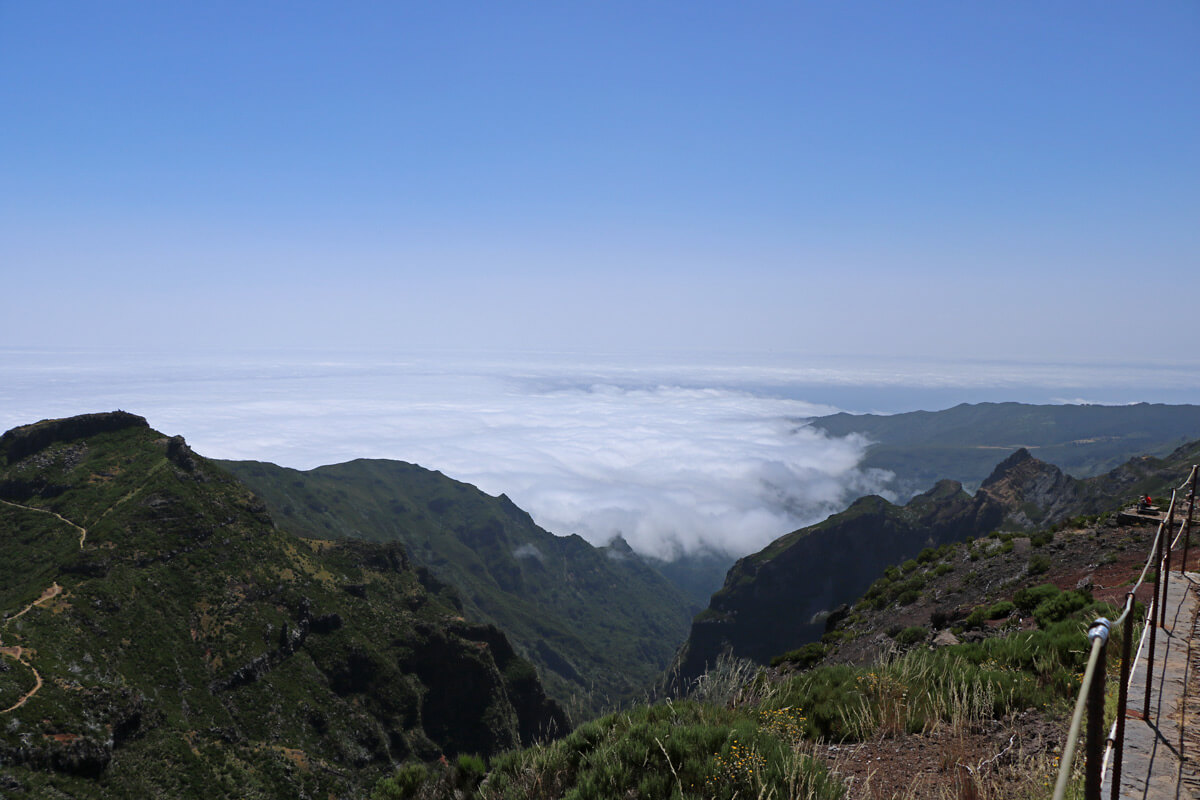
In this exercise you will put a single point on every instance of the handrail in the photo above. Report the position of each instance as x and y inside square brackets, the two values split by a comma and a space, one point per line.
[1098, 643]
[1091, 694]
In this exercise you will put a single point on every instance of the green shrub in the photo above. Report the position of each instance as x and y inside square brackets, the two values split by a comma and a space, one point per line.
[802, 657]
[878, 589]
[909, 566]
[1000, 610]
[911, 635]
[1029, 599]
[829, 638]
[942, 569]
[825, 693]
[1061, 606]
[471, 769]
[884, 591]
[1038, 564]
[402, 785]
[684, 749]
[929, 554]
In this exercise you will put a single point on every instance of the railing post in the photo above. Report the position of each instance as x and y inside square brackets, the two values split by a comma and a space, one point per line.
[1095, 724]
[1152, 620]
[1122, 696]
[1165, 566]
[1187, 523]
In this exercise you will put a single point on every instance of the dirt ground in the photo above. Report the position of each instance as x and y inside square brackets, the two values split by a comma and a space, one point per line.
[1010, 758]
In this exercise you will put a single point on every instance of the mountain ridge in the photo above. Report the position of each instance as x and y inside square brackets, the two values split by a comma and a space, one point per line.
[961, 442]
[599, 623]
[194, 649]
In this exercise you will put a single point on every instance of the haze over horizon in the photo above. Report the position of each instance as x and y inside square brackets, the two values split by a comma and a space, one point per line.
[597, 256]
[674, 455]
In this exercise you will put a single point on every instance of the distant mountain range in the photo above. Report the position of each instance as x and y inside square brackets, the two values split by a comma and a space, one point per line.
[964, 443]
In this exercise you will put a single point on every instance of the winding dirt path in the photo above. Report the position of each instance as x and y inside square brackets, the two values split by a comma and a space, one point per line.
[49, 593]
[19, 654]
[83, 531]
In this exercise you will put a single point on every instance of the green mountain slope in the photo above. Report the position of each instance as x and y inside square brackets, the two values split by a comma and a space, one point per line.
[599, 623]
[964, 442]
[162, 638]
[777, 599]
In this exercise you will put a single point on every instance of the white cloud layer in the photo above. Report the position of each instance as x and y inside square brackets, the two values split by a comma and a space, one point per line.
[673, 458]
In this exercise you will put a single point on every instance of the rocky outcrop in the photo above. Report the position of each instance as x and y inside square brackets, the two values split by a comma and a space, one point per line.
[1030, 492]
[26, 440]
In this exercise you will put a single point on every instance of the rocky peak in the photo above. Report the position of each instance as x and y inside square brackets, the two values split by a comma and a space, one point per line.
[942, 490]
[1029, 492]
[1018, 460]
[618, 545]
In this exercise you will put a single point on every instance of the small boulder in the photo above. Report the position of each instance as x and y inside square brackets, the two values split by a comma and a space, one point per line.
[945, 639]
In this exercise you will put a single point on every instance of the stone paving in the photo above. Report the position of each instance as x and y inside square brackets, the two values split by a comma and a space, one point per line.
[1162, 753]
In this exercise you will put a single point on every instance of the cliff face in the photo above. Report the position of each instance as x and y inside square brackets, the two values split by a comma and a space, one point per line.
[777, 599]
[162, 638]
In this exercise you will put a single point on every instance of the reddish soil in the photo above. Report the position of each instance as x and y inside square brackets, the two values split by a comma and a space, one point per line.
[1008, 758]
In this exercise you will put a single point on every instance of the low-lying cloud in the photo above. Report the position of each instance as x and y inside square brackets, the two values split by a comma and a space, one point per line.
[674, 459]
[671, 468]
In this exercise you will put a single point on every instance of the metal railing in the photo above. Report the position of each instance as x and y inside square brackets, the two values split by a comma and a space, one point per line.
[1091, 693]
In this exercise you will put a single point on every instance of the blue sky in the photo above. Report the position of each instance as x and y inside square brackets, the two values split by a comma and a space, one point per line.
[1007, 180]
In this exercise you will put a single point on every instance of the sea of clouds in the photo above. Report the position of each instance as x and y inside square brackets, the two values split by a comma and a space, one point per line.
[674, 455]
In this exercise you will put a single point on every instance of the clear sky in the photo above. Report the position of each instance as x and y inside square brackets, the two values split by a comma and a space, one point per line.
[938, 179]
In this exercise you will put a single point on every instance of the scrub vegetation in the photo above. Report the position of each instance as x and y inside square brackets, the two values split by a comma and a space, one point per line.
[802, 727]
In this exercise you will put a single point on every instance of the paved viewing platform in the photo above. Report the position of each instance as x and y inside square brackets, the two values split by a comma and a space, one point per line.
[1162, 753]
[1140, 515]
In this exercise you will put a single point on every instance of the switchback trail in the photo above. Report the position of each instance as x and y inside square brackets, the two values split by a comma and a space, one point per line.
[49, 593]
[18, 653]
